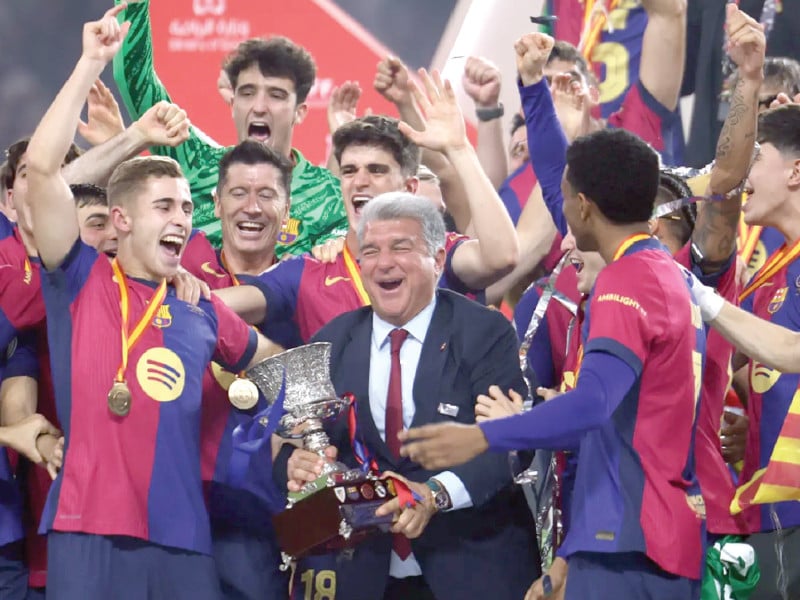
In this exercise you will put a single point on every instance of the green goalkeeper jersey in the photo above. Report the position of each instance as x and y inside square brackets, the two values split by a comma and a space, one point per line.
[316, 211]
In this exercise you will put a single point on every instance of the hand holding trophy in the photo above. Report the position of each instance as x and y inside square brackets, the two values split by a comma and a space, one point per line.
[337, 510]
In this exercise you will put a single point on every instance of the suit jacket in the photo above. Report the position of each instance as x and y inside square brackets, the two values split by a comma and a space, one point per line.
[486, 551]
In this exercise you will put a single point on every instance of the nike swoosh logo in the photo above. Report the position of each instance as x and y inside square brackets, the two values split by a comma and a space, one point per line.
[207, 268]
[329, 281]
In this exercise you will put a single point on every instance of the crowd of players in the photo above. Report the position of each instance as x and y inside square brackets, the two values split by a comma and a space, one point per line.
[136, 290]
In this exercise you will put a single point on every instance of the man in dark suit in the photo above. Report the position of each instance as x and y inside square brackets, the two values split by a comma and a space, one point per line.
[418, 356]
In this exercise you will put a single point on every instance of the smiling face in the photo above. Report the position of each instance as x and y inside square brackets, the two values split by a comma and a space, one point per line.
[366, 172]
[252, 206]
[153, 227]
[265, 109]
[766, 186]
[399, 274]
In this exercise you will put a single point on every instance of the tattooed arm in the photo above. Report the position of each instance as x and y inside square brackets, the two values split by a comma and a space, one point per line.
[717, 222]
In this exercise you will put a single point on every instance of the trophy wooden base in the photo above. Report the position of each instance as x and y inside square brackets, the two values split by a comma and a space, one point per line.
[338, 516]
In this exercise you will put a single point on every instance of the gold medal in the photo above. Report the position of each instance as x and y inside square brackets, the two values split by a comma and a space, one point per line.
[119, 399]
[243, 393]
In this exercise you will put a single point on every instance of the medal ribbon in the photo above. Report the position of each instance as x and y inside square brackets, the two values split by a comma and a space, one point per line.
[355, 276]
[224, 262]
[129, 339]
[777, 261]
[750, 237]
[364, 457]
[366, 460]
[236, 283]
[625, 245]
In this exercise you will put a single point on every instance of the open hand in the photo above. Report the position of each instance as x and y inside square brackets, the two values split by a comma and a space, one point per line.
[343, 104]
[103, 117]
[497, 405]
[443, 124]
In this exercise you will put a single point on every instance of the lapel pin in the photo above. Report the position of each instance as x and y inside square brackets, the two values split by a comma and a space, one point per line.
[442, 347]
[449, 410]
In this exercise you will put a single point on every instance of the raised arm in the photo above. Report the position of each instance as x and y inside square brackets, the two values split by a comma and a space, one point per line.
[535, 232]
[547, 143]
[55, 224]
[163, 124]
[717, 222]
[494, 251]
[482, 81]
[664, 50]
[392, 82]
[141, 89]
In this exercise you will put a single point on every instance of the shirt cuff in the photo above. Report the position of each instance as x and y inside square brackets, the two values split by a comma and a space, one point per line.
[459, 496]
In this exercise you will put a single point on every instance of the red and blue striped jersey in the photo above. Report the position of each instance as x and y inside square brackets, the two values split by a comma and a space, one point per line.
[771, 392]
[635, 489]
[137, 475]
[218, 416]
[311, 293]
[716, 481]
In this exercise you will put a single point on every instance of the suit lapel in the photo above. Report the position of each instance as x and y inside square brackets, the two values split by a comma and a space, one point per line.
[432, 360]
[356, 364]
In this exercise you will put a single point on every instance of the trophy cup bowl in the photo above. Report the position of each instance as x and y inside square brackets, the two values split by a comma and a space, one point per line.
[309, 400]
[337, 510]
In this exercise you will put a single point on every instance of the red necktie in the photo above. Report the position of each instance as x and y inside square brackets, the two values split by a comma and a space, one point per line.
[394, 422]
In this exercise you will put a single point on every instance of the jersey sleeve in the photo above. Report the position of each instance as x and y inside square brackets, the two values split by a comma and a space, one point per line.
[280, 286]
[622, 320]
[21, 301]
[547, 146]
[140, 89]
[70, 276]
[22, 359]
[643, 115]
[450, 280]
[236, 341]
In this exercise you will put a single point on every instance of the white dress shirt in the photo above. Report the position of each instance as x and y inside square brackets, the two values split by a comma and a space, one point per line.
[380, 361]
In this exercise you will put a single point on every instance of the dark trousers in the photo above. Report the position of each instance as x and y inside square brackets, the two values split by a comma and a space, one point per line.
[408, 588]
[777, 575]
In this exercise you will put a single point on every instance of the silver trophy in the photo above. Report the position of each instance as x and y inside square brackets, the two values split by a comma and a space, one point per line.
[337, 510]
[309, 401]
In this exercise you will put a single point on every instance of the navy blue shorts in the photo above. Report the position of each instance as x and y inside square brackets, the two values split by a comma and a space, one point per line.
[82, 566]
[599, 576]
[13, 572]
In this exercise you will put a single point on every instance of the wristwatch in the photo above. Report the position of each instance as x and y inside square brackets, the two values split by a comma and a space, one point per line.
[439, 495]
[491, 113]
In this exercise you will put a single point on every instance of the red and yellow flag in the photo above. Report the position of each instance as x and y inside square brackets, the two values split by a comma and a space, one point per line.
[780, 479]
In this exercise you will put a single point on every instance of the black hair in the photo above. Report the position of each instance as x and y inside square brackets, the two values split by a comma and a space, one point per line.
[252, 152]
[617, 171]
[380, 132]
